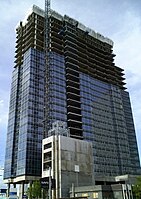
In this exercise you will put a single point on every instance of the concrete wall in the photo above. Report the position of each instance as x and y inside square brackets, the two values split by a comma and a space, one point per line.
[76, 163]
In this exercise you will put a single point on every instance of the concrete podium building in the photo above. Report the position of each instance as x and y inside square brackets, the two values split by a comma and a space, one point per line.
[86, 90]
[71, 163]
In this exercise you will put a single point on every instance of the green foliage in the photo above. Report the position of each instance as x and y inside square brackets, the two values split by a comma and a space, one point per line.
[29, 192]
[137, 189]
[34, 190]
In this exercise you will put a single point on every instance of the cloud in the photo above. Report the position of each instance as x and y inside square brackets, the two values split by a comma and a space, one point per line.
[3, 113]
[1, 103]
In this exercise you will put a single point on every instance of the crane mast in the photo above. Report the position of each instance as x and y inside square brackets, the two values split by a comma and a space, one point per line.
[47, 27]
[47, 62]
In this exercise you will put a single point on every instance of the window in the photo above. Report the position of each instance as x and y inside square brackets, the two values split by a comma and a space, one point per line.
[47, 146]
[47, 156]
[95, 195]
[85, 195]
[46, 165]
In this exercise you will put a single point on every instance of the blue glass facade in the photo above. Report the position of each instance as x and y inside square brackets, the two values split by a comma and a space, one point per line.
[133, 149]
[103, 122]
[25, 125]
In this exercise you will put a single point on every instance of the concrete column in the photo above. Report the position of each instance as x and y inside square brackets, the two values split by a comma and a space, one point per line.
[73, 191]
[21, 190]
[56, 150]
[8, 189]
[14, 185]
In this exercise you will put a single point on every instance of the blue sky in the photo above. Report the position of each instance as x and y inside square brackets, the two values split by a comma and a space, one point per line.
[119, 20]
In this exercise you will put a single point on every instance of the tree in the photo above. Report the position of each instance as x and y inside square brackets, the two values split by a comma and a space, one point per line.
[137, 189]
[29, 192]
[34, 190]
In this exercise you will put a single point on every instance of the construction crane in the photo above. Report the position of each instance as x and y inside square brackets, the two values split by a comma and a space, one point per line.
[47, 66]
[47, 27]
[47, 62]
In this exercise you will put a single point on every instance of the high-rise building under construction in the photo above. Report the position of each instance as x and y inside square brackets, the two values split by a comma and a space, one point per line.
[84, 89]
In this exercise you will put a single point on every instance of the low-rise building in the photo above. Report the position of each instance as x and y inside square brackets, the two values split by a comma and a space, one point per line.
[115, 191]
[69, 161]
